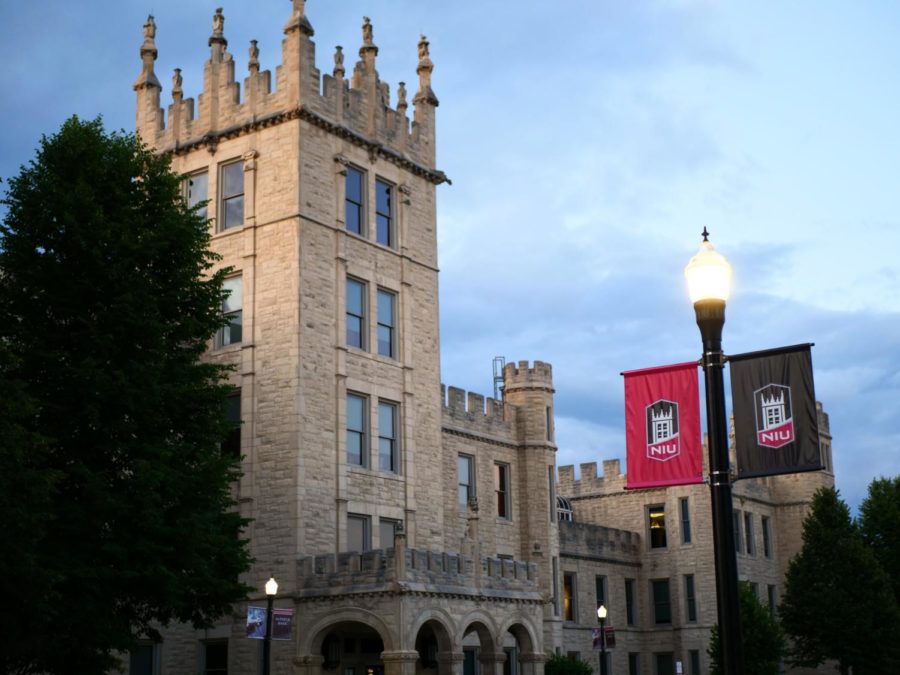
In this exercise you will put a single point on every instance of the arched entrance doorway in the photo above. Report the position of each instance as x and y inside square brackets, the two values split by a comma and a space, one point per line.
[434, 647]
[351, 648]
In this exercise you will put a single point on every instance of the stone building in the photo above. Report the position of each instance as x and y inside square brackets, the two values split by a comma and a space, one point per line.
[412, 528]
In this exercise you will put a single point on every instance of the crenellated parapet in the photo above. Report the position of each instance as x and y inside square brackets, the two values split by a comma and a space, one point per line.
[521, 376]
[591, 483]
[475, 414]
[357, 109]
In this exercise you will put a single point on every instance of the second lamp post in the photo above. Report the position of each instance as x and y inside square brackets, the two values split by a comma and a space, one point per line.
[601, 619]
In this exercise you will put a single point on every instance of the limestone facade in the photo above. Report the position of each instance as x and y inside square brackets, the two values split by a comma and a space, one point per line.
[413, 529]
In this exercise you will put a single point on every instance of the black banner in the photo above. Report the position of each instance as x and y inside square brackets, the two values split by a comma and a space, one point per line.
[776, 428]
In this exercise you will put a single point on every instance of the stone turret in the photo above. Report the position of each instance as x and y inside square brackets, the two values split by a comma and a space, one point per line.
[358, 109]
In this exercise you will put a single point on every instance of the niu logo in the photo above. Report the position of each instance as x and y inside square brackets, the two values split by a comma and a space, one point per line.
[774, 416]
[663, 442]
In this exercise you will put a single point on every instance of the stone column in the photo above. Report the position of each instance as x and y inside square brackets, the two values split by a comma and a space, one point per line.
[492, 662]
[450, 663]
[532, 664]
[400, 662]
[308, 665]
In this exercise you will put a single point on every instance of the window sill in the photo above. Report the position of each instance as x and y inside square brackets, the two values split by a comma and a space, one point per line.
[374, 473]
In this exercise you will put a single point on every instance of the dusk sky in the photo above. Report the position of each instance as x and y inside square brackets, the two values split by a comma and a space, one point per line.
[589, 143]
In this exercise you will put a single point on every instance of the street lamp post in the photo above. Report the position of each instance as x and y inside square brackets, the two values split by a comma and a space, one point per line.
[601, 618]
[709, 282]
[271, 590]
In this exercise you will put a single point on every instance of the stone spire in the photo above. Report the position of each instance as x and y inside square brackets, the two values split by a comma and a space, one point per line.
[402, 105]
[253, 63]
[339, 63]
[423, 70]
[177, 91]
[147, 78]
[218, 32]
[369, 50]
[298, 20]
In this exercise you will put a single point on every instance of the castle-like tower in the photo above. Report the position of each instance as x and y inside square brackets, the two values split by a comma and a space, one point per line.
[409, 533]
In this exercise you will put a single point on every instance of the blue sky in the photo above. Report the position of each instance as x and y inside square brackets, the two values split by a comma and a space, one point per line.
[589, 142]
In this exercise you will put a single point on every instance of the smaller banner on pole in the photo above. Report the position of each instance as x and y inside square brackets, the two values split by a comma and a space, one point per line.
[662, 426]
[282, 623]
[776, 427]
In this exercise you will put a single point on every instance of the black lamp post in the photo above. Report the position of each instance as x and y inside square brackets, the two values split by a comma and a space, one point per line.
[271, 590]
[709, 282]
[601, 618]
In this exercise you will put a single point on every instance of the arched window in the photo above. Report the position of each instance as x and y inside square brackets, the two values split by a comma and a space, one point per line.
[564, 509]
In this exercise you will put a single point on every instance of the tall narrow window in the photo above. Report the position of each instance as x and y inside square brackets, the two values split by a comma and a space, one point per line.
[359, 537]
[770, 595]
[549, 415]
[231, 204]
[694, 655]
[231, 446]
[690, 599]
[196, 192]
[555, 569]
[657, 522]
[634, 664]
[665, 663]
[748, 533]
[387, 436]
[387, 304]
[767, 536]
[466, 465]
[600, 590]
[354, 215]
[215, 657]
[356, 313]
[501, 489]
[738, 536]
[629, 602]
[685, 520]
[569, 609]
[384, 213]
[232, 332]
[356, 430]
[662, 606]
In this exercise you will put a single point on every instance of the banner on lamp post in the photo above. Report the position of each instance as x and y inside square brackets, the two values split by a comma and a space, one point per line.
[662, 426]
[282, 623]
[776, 427]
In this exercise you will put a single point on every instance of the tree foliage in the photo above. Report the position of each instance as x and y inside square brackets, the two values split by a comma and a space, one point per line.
[763, 640]
[837, 602]
[561, 664]
[880, 527]
[114, 489]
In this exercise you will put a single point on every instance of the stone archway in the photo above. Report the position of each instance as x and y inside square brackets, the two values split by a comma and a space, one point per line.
[481, 653]
[345, 644]
[520, 645]
[434, 647]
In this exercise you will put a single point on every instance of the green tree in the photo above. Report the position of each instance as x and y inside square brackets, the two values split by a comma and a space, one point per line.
[837, 602]
[880, 526]
[560, 664]
[113, 482]
[763, 640]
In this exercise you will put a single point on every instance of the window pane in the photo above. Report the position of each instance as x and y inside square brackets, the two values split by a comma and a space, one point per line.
[354, 185]
[466, 484]
[353, 218]
[386, 532]
[235, 288]
[386, 308]
[385, 341]
[383, 198]
[234, 212]
[387, 415]
[657, 527]
[355, 297]
[356, 424]
[354, 331]
[356, 303]
[629, 602]
[685, 521]
[216, 658]
[501, 486]
[383, 230]
[569, 597]
[198, 191]
[233, 332]
[357, 533]
[141, 660]
[232, 179]
[662, 609]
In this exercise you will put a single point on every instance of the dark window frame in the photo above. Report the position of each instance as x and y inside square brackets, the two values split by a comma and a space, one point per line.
[388, 445]
[360, 432]
[227, 199]
[385, 213]
[656, 523]
[358, 208]
[502, 491]
[357, 315]
[662, 602]
[387, 347]
[690, 598]
[470, 486]
[685, 508]
[233, 332]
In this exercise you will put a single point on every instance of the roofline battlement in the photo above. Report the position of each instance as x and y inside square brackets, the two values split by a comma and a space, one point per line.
[523, 376]
[357, 108]
[457, 401]
[591, 483]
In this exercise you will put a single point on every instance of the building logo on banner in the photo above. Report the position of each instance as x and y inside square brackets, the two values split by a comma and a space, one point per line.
[774, 416]
[663, 442]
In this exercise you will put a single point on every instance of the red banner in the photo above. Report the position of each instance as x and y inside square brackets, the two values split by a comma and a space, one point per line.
[662, 426]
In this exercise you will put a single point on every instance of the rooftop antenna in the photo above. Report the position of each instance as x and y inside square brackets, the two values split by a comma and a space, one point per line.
[499, 365]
